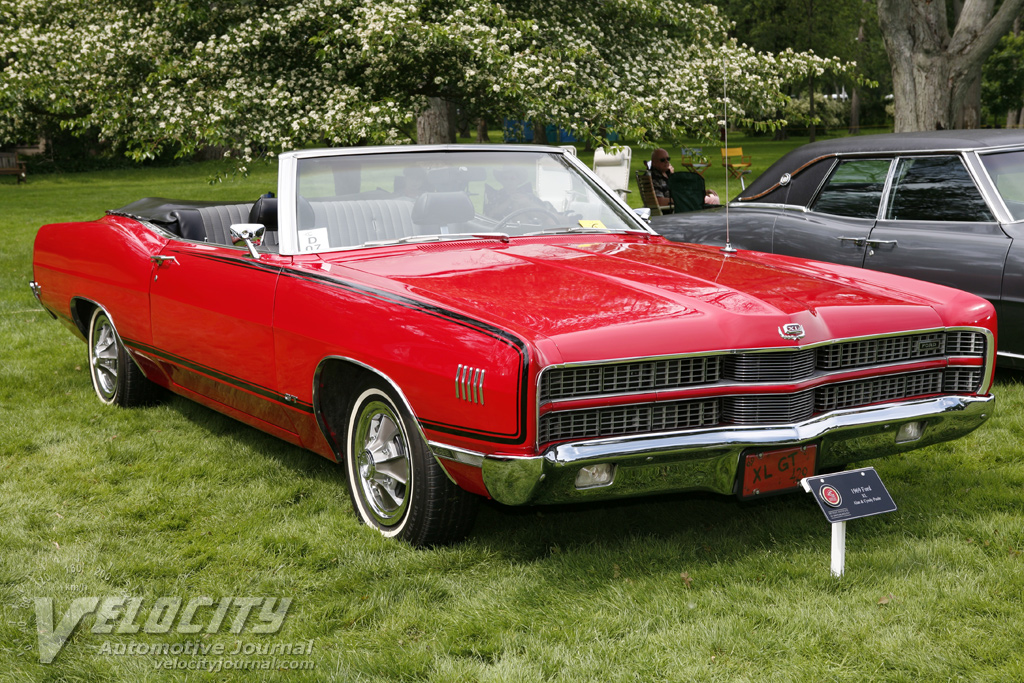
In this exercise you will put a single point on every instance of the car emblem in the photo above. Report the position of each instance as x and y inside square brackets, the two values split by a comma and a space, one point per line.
[831, 496]
[792, 331]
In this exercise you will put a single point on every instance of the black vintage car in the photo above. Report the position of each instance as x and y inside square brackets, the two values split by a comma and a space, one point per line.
[944, 206]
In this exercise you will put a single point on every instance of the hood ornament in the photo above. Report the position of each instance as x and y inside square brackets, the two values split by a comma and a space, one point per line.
[792, 331]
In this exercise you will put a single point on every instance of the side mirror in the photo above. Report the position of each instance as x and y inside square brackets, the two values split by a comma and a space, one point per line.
[644, 213]
[249, 234]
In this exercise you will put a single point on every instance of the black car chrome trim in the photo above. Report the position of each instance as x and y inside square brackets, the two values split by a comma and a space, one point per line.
[989, 188]
[792, 174]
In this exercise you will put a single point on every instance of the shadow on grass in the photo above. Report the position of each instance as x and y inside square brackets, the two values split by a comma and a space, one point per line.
[695, 526]
[288, 456]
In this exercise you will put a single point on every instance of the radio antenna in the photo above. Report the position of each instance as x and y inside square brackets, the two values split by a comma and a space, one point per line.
[728, 248]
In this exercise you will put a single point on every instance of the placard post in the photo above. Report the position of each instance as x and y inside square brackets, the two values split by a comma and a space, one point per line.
[843, 496]
[838, 548]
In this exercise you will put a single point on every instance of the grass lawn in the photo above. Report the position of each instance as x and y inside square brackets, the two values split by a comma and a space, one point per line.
[178, 502]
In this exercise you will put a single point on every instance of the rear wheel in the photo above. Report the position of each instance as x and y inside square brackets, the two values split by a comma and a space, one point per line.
[115, 376]
[396, 485]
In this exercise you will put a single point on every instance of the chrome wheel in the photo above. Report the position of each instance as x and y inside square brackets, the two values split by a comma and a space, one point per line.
[104, 356]
[383, 461]
[116, 378]
[396, 485]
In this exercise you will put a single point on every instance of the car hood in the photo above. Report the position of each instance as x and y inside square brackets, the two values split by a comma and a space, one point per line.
[631, 298]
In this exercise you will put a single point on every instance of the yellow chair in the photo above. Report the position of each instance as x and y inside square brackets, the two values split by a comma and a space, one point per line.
[737, 162]
[693, 160]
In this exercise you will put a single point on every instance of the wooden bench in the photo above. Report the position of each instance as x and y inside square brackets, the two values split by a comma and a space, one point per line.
[9, 165]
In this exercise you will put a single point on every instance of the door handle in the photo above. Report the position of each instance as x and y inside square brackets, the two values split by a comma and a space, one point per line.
[160, 259]
[858, 241]
[878, 243]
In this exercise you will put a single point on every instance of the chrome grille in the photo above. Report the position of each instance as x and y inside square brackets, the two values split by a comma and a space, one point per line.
[631, 377]
[754, 409]
[768, 409]
[776, 366]
[851, 394]
[878, 351]
[962, 381]
[965, 344]
[766, 366]
[621, 420]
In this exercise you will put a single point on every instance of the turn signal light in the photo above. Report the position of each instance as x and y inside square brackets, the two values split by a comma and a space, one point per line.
[912, 431]
[593, 476]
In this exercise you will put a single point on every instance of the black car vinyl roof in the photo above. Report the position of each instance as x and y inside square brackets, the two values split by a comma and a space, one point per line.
[887, 143]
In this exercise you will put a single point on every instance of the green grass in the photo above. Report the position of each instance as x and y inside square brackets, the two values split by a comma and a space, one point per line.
[178, 501]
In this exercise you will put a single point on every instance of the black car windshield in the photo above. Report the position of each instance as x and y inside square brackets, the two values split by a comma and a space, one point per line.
[1007, 172]
[369, 199]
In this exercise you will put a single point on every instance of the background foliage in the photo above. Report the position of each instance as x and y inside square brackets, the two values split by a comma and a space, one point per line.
[149, 76]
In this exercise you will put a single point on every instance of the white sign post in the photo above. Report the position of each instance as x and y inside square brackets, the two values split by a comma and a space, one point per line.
[844, 496]
[838, 548]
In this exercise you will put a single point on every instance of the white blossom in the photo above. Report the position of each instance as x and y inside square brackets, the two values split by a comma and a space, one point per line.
[269, 75]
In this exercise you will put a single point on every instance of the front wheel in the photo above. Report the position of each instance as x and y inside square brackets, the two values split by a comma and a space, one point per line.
[396, 485]
[116, 378]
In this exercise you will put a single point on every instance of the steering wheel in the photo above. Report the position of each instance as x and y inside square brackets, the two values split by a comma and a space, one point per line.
[547, 215]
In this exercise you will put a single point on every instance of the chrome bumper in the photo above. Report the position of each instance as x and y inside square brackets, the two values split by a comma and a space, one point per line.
[708, 460]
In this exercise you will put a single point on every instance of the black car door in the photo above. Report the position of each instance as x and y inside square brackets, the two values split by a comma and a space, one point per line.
[938, 227]
[837, 224]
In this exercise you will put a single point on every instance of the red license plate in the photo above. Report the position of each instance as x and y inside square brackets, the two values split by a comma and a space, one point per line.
[777, 470]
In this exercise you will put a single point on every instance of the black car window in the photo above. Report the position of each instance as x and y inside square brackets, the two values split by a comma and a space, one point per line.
[854, 189]
[1007, 172]
[935, 189]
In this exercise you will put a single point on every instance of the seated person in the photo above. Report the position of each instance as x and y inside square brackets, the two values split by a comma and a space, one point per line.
[661, 169]
[515, 194]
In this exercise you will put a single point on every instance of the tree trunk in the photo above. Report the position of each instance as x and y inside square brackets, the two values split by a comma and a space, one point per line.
[855, 93]
[968, 115]
[436, 124]
[1011, 118]
[810, 108]
[854, 111]
[540, 132]
[932, 71]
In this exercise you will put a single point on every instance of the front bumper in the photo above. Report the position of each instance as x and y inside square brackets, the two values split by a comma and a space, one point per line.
[708, 460]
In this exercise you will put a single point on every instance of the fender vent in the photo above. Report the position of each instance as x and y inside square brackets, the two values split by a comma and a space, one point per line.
[469, 384]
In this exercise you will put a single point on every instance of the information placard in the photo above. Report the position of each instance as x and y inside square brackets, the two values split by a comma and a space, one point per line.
[850, 495]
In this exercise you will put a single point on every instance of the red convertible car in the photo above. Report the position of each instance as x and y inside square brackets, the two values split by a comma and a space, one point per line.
[450, 323]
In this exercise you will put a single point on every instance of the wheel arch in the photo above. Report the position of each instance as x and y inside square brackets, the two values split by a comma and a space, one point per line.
[82, 310]
[81, 313]
[331, 407]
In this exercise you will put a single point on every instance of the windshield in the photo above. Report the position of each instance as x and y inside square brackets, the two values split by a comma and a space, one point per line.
[1007, 172]
[368, 199]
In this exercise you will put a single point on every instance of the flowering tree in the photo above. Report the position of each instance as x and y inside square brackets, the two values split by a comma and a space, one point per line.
[265, 75]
